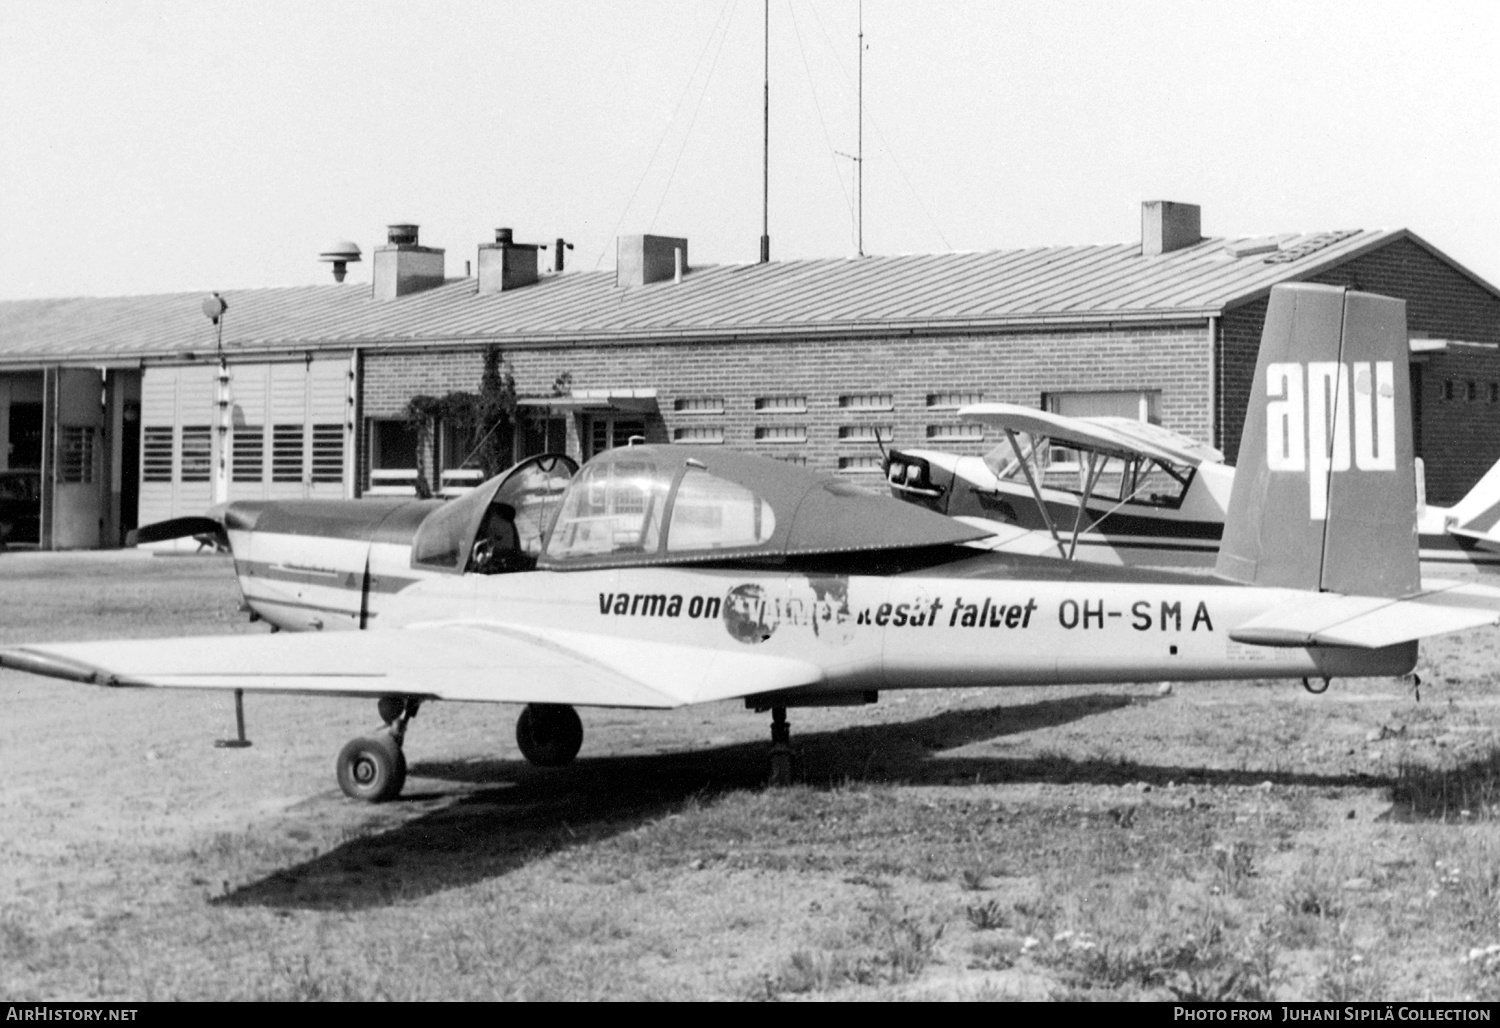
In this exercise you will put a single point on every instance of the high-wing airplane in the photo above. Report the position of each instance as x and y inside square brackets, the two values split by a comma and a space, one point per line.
[659, 576]
[1120, 491]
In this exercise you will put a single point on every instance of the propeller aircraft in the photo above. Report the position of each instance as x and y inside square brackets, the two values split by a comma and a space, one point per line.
[1121, 491]
[661, 576]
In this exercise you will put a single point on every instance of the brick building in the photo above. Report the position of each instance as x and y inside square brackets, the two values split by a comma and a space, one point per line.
[808, 360]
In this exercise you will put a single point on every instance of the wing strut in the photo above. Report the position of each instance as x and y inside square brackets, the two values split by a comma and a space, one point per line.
[1036, 492]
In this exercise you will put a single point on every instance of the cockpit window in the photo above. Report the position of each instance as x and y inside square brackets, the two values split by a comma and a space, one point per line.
[500, 525]
[712, 513]
[612, 507]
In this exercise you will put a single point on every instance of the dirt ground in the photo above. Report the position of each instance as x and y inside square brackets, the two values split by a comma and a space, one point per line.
[1205, 841]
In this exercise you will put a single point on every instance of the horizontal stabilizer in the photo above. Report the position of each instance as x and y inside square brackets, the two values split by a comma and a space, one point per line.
[470, 661]
[1483, 540]
[1369, 622]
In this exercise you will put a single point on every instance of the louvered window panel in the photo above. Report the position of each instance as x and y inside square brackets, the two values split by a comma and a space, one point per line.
[286, 453]
[197, 453]
[249, 453]
[156, 453]
[328, 453]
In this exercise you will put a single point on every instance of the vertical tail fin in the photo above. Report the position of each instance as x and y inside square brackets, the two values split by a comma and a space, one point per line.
[1325, 491]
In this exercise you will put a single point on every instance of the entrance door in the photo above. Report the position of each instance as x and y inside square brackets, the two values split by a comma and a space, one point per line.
[77, 465]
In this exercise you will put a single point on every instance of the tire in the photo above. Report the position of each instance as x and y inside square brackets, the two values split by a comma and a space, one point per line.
[549, 734]
[372, 769]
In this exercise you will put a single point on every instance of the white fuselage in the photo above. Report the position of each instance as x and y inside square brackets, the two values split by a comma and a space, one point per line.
[989, 620]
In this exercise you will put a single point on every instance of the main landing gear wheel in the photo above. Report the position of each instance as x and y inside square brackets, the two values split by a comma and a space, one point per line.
[372, 769]
[549, 734]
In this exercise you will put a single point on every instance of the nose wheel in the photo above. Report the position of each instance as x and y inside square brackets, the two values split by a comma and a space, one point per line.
[372, 768]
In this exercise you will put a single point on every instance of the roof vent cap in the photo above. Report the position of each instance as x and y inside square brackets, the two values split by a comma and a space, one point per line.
[401, 235]
[340, 255]
[504, 236]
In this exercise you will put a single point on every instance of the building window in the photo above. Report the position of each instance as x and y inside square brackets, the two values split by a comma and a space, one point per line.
[608, 433]
[867, 401]
[955, 432]
[249, 453]
[866, 433]
[1471, 391]
[286, 453]
[953, 401]
[393, 443]
[1447, 389]
[781, 434]
[197, 453]
[75, 458]
[1136, 404]
[781, 404]
[156, 453]
[1495, 392]
[699, 434]
[868, 464]
[790, 458]
[699, 405]
[543, 435]
[328, 453]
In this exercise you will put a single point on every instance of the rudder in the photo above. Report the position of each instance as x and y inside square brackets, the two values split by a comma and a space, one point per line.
[1324, 493]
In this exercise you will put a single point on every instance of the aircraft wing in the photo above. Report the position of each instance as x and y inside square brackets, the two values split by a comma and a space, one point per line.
[1366, 622]
[480, 661]
[1103, 435]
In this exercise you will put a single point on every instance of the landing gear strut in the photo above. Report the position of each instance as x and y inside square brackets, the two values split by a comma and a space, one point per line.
[781, 748]
[373, 767]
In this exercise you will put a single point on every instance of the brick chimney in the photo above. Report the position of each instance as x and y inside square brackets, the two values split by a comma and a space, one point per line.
[402, 267]
[506, 264]
[641, 260]
[1168, 226]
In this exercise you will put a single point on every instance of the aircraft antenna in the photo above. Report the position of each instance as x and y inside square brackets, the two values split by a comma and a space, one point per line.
[765, 209]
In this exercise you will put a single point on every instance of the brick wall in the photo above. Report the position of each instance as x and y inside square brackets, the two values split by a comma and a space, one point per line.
[1015, 368]
[1459, 439]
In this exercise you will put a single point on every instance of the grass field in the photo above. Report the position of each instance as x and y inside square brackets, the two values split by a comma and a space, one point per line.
[1218, 841]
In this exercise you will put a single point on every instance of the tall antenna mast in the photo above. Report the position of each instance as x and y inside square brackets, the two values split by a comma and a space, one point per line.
[765, 210]
[859, 161]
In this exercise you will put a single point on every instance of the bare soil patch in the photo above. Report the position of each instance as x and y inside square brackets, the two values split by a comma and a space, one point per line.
[1223, 840]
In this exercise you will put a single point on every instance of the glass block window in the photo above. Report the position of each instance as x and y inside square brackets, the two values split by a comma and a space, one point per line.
[953, 401]
[867, 401]
[698, 434]
[871, 463]
[781, 434]
[699, 405]
[956, 432]
[866, 433]
[781, 404]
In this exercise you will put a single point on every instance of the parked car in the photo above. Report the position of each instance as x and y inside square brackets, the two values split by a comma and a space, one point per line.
[20, 507]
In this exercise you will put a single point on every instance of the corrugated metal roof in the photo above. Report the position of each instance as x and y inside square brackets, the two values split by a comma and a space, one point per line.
[1058, 284]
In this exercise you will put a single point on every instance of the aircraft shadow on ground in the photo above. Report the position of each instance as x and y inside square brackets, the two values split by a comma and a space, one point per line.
[517, 814]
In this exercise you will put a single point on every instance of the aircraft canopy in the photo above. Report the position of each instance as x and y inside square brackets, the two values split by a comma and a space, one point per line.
[683, 504]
